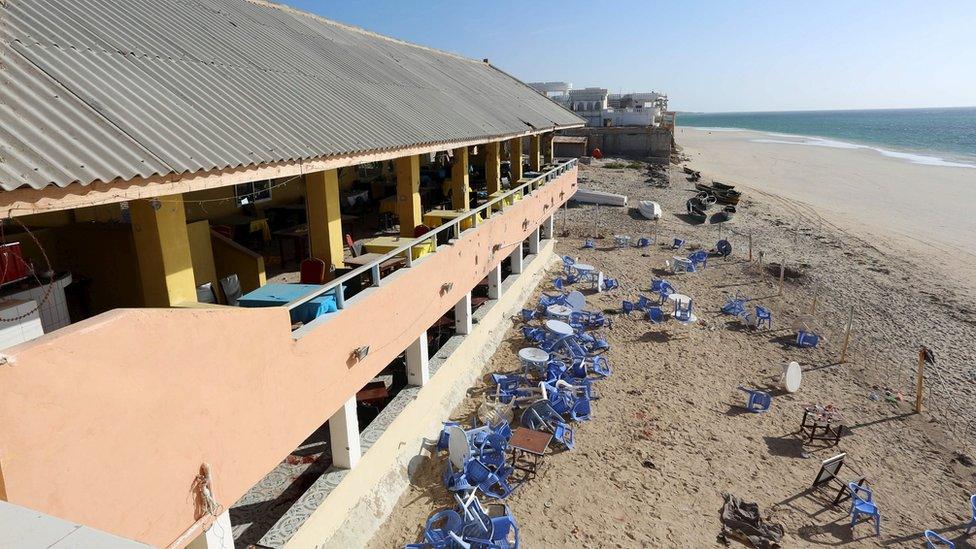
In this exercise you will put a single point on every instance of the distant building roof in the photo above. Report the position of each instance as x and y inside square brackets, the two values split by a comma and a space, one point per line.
[569, 139]
[102, 90]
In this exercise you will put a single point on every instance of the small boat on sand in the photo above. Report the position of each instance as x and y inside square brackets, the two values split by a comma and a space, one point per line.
[599, 197]
[695, 212]
[704, 188]
[705, 200]
[722, 186]
[649, 209]
[726, 214]
[728, 197]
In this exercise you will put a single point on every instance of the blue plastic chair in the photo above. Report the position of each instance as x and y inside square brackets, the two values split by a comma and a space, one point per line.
[589, 243]
[699, 258]
[643, 303]
[759, 401]
[655, 315]
[529, 314]
[656, 285]
[734, 306]
[807, 340]
[601, 366]
[763, 316]
[863, 505]
[440, 526]
[643, 242]
[568, 263]
[677, 244]
[490, 483]
[558, 284]
[934, 540]
[539, 416]
[533, 334]
[627, 307]
[610, 284]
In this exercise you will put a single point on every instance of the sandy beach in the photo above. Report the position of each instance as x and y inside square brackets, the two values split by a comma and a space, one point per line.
[925, 210]
[669, 436]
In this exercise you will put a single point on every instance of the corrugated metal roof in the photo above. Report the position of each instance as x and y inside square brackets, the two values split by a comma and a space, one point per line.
[97, 90]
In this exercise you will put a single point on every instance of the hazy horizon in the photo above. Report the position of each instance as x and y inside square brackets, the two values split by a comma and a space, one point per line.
[708, 56]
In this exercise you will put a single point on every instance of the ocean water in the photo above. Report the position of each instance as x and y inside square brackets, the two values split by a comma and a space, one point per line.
[942, 137]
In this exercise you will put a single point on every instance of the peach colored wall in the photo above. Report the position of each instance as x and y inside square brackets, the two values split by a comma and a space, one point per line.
[106, 422]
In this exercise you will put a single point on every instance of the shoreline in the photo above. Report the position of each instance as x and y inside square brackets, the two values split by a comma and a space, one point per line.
[923, 157]
[874, 197]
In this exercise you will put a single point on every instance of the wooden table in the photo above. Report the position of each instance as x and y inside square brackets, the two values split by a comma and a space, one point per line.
[298, 235]
[510, 201]
[386, 267]
[528, 448]
[820, 424]
[386, 244]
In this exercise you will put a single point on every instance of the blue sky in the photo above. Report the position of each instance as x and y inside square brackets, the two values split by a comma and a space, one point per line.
[708, 56]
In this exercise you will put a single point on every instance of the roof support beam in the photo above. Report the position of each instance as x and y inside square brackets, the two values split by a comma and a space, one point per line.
[493, 166]
[163, 250]
[515, 159]
[324, 218]
[535, 153]
[408, 193]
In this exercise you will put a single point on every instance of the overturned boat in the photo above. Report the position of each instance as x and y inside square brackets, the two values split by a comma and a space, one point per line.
[727, 197]
[599, 197]
[722, 186]
[649, 209]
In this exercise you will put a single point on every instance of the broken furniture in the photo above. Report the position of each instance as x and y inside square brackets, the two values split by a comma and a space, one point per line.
[829, 474]
[821, 423]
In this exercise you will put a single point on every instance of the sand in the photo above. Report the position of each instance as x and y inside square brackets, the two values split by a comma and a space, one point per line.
[668, 436]
[924, 210]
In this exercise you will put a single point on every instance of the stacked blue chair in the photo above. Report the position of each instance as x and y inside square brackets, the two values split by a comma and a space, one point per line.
[699, 258]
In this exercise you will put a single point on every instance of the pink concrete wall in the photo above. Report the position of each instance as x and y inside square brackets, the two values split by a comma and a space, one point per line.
[107, 422]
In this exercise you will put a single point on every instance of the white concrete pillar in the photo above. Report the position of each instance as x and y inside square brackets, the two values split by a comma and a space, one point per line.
[547, 227]
[534, 241]
[495, 282]
[516, 259]
[218, 536]
[418, 362]
[462, 315]
[344, 435]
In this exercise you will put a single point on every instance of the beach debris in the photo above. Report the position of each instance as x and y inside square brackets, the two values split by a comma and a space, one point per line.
[963, 459]
[648, 464]
[649, 209]
[741, 521]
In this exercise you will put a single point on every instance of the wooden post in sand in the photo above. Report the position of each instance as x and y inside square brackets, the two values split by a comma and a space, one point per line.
[847, 337]
[782, 275]
[750, 246]
[920, 380]
[813, 305]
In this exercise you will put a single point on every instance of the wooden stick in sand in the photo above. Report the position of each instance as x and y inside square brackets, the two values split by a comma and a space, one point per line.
[813, 305]
[920, 380]
[847, 336]
[750, 246]
[782, 274]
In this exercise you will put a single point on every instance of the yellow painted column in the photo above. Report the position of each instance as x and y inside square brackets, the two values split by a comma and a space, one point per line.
[324, 217]
[408, 193]
[547, 153]
[535, 153]
[493, 166]
[163, 251]
[460, 188]
[515, 159]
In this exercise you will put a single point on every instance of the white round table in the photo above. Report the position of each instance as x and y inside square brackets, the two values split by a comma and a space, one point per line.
[693, 319]
[559, 312]
[677, 298]
[533, 357]
[583, 270]
[792, 375]
[559, 328]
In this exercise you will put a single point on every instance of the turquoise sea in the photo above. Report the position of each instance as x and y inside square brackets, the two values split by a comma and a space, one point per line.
[945, 137]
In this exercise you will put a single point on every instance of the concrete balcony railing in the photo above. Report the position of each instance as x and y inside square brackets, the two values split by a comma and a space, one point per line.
[107, 422]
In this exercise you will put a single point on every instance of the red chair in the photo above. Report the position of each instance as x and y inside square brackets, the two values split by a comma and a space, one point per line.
[313, 271]
[354, 250]
[421, 230]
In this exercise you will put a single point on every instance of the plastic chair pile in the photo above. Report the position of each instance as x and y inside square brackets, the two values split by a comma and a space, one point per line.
[736, 306]
[652, 309]
[549, 399]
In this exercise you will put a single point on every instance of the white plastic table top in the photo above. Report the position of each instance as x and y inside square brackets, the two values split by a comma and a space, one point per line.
[458, 447]
[559, 311]
[583, 267]
[533, 355]
[559, 327]
[792, 375]
[679, 298]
